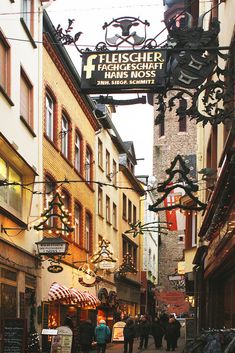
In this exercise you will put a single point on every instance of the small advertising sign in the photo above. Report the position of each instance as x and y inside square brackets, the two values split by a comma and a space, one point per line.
[117, 333]
[123, 71]
[62, 342]
[107, 265]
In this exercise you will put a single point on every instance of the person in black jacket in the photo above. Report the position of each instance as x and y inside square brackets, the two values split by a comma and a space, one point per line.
[144, 331]
[178, 327]
[157, 332]
[129, 335]
[171, 334]
[86, 336]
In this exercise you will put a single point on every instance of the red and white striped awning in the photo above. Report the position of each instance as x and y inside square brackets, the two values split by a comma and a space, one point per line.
[78, 297]
[91, 299]
[59, 292]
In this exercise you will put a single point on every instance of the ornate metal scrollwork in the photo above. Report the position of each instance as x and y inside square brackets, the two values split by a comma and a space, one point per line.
[195, 66]
[195, 76]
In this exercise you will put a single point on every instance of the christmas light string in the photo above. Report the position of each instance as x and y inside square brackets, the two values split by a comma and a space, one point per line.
[67, 181]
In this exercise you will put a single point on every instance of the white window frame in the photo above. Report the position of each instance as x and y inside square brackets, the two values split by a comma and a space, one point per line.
[77, 223]
[77, 160]
[88, 165]
[27, 12]
[87, 232]
[49, 116]
[64, 136]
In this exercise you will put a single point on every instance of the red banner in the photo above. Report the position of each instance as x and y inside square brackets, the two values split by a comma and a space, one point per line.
[173, 297]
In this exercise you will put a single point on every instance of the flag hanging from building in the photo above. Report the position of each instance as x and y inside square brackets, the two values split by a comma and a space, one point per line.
[175, 218]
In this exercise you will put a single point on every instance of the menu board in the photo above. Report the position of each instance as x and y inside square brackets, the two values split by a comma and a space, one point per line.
[62, 342]
[117, 333]
[14, 334]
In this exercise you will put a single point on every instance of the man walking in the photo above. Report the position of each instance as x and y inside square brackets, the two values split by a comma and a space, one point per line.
[102, 334]
[144, 331]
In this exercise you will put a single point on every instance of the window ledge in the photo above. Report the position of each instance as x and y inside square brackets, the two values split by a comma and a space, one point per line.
[27, 126]
[6, 96]
[101, 216]
[66, 159]
[90, 186]
[115, 228]
[182, 133]
[29, 35]
[108, 222]
[78, 173]
[101, 168]
[51, 142]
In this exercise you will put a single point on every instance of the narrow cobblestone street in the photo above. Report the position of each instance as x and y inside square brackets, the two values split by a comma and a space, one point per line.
[118, 347]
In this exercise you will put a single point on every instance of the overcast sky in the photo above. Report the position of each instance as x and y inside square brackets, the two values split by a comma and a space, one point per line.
[134, 123]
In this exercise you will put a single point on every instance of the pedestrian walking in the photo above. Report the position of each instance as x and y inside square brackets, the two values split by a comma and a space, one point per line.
[144, 331]
[86, 336]
[171, 335]
[157, 332]
[102, 335]
[129, 335]
[137, 324]
[178, 327]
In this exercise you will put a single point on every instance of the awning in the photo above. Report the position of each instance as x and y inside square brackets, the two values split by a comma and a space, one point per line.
[59, 292]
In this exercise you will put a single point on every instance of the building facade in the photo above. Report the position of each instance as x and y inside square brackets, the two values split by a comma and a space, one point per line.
[20, 158]
[69, 127]
[214, 260]
[130, 192]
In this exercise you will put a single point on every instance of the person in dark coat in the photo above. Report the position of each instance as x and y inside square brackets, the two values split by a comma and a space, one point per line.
[86, 336]
[157, 332]
[171, 334]
[144, 331]
[129, 335]
[137, 323]
[178, 327]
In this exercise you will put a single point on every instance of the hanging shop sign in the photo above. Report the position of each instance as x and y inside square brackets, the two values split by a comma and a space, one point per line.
[107, 265]
[55, 268]
[123, 71]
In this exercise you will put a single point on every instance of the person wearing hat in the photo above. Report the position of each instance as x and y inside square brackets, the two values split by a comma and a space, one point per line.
[102, 335]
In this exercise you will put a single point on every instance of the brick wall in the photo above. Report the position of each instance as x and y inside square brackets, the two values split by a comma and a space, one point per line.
[164, 151]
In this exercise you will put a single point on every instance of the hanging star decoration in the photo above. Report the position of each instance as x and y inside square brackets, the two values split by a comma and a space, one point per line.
[127, 266]
[183, 183]
[60, 220]
[139, 229]
[104, 254]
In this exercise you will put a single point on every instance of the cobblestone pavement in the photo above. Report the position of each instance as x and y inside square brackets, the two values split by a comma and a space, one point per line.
[118, 347]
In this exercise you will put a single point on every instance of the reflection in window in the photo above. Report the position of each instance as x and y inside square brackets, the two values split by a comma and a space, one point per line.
[77, 162]
[88, 165]
[65, 136]
[77, 223]
[87, 244]
[10, 194]
[49, 117]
